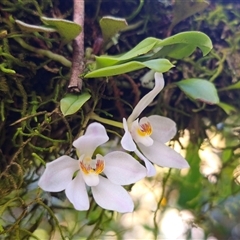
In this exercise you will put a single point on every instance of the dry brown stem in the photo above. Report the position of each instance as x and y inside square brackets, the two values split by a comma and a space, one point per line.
[75, 83]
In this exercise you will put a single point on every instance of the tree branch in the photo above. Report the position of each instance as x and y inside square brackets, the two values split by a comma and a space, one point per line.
[75, 82]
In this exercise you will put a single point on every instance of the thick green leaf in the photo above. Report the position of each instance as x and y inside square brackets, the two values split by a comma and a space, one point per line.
[185, 42]
[196, 38]
[142, 48]
[178, 46]
[110, 26]
[177, 51]
[199, 89]
[34, 28]
[158, 65]
[71, 103]
[228, 109]
[67, 29]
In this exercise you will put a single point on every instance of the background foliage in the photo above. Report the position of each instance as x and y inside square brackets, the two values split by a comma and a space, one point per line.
[34, 74]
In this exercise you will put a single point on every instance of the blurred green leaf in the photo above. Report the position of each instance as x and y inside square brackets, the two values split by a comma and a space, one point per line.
[227, 154]
[199, 89]
[233, 86]
[185, 9]
[227, 107]
[71, 103]
[191, 183]
[110, 26]
[3, 33]
[67, 29]
[158, 65]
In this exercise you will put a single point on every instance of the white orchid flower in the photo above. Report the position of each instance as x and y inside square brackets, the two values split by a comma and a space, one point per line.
[73, 175]
[150, 134]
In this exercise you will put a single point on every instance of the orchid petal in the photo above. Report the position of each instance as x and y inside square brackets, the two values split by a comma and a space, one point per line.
[122, 169]
[58, 174]
[148, 98]
[77, 194]
[91, 179]
[127, 141]
[94, 136]
[164, 128]
[112, 197]
[151, 170]
[163, 155]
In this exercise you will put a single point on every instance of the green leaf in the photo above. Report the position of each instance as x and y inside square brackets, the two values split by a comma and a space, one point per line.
[185, 43]
[71, 103]
[33, 28]
[199, 89]
[67, 29]
[158, 65]
[110, 26]
[142, 48]
[233, 86]
[177, 46]
[227, 108]
[177, 51]
[185, 9]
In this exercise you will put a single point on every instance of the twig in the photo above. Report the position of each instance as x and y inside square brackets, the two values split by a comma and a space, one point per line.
[75, 83]
[27, 117]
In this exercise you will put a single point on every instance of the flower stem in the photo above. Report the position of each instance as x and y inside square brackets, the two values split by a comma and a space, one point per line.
[156, 222]
[106, 121]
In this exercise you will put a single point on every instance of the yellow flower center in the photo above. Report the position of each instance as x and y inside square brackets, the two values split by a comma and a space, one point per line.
[87, 168]
[144, 129]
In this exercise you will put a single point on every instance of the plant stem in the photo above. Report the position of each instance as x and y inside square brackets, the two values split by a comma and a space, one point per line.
[106, 121]
[43, 52]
